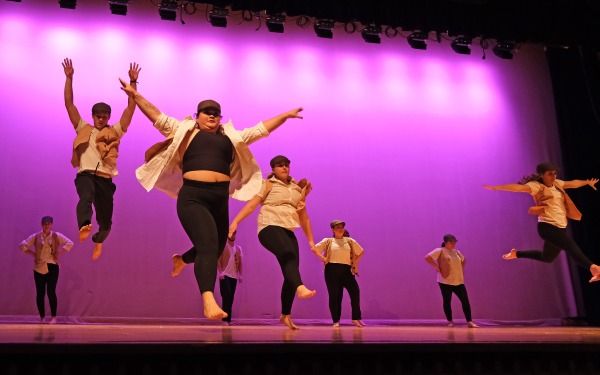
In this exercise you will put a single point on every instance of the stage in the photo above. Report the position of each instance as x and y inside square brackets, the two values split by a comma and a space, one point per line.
[266, 347]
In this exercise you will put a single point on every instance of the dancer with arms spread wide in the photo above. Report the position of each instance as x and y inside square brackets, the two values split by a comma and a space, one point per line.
[202, 163]
[553, 207]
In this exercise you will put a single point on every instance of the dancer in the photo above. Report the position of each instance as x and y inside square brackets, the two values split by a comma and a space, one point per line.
[47, 246]
[95, 152]
[552, 206]
[450, 264]
[229, 269]
[283, 208]
[341, 255]
[201, 163]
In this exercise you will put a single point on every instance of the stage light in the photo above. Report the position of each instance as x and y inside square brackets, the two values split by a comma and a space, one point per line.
[16, 1]
[504, 49]
[167, 10]
[462, 45]
[67, 4]
[324, 28]
[371, 34]
[418, 40]
[275, 23]
[218, 16]
[118, 7]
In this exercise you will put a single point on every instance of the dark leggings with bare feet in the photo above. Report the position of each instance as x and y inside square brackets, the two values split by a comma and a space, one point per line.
[203, 210]
[284, 245]
[555, 239]
[461, 293]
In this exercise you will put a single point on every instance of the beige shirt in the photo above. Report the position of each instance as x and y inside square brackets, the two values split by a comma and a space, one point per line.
[281, 205]
[456, 259]
[340, 249]
[555, 212]
[91, 158]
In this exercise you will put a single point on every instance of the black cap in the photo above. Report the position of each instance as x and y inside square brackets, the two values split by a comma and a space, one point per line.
[100, 108]
[450, 238]
[47, 219]
[279, 159]
[542, 168]
[206, 104]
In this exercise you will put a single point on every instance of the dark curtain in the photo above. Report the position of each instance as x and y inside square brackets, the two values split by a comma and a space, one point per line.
[575, 74]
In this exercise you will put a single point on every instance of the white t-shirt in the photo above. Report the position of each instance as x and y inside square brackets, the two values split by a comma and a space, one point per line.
[90, 158]
[555, 212]
[455, 276]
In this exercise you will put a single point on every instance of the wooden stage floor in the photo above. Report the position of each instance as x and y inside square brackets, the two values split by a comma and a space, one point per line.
[317, 348]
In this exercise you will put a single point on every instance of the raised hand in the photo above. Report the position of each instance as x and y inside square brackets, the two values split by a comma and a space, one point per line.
[68, 67]
[592, 182]
[294, 113]
[134, 71]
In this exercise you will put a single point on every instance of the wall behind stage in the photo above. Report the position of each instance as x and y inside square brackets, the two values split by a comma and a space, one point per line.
[397, 142]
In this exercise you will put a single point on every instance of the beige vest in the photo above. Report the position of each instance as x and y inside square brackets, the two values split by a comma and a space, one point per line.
[41, 266]
[107, 142]
[545, 194]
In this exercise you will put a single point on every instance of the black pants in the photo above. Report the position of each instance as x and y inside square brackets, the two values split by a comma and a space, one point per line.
[337, 277]
[43, 283]
[555, 239]
[461, 293]
[227, 285]
[97, 191]
[284, 245]
[203, 210]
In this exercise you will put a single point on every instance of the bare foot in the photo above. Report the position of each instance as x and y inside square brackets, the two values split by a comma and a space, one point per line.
[84, 232]
[304, 292]
[450, 324]
[358, 323]
[178, 265]
[285, 319]
[53, 320]
[510, 255]
[472, 325]
[336, 325]
[211, 309]
[595, 278]
[97, 251]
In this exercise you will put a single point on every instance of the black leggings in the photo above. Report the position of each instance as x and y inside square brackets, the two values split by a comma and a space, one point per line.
[555, 239]
[284, 245]
[41, 282]
[203, 210]
[227, 285]
[337, 277]
[461, 293]
[97, 191]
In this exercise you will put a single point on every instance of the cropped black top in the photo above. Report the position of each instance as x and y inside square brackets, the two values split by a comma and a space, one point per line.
[209, 152]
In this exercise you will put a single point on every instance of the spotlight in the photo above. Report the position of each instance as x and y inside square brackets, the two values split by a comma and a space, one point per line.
[16, 1]
[167, 10]
[324, 28]
[276, 22]
[371, 34]
[218, 16]
[67, 4]
[462, 45]
[118, 7]
[418, 40]
[504, 49]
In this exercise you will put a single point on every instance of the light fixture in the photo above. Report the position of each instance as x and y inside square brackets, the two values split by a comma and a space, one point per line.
[462, 45]
[16, 1]
[418, 40]
[504, 49]
[167, 10]
[275, 22]
[118, 7]
[324, 28]
[67, 4]
[218, 16]
[371, 34]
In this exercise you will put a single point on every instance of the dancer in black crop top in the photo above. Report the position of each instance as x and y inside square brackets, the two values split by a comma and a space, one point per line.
[208, 152]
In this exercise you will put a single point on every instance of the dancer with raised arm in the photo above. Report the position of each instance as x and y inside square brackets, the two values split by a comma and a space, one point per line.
[553, 207]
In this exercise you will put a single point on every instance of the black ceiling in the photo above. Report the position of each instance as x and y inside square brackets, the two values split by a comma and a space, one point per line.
[549, 22]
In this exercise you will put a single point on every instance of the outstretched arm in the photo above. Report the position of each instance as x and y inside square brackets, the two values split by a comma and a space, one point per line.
[307, 228]
[515, 188]
[574, 184]
[134, 72]
[244, 213]
[277, 121]
[144, 105]
[71, 109]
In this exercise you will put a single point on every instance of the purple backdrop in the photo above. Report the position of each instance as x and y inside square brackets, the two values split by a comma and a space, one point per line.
[396, 141]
